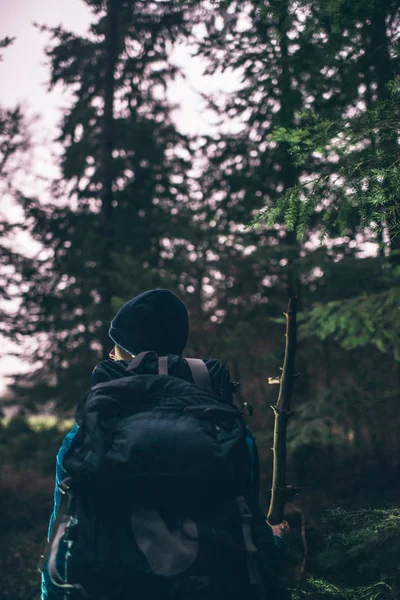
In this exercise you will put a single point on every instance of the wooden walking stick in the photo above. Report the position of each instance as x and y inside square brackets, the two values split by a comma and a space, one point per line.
[282, 415]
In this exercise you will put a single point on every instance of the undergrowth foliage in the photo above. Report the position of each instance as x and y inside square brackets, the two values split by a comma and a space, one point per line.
[27, 483]
[355, 559]
[356, 322]
[359, 558]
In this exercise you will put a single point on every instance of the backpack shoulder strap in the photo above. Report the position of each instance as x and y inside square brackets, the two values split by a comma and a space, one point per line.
[198, 369]
[200, 374]
[137, 360]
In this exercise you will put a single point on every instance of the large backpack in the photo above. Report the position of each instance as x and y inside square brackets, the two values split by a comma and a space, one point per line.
[159, 501]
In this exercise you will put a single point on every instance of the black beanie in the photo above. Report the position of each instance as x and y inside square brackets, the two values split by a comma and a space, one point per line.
[155, 320]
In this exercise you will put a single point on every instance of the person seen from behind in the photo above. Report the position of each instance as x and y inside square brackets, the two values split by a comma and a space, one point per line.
[157, 484]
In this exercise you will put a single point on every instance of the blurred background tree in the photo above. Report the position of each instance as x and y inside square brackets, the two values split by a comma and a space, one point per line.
[310, 72]
[122, 195]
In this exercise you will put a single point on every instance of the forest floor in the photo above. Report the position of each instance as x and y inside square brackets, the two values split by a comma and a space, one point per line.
[352, 554]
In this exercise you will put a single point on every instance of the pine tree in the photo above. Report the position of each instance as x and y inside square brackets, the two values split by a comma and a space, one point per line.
[351, 156]
[307, 64]
[121, 201]
[15, 150]
[245, 172]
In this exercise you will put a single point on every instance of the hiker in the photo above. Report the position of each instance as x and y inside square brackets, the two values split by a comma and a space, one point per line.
[157, 484]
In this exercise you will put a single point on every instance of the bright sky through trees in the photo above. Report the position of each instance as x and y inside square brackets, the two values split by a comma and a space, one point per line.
[23, 79]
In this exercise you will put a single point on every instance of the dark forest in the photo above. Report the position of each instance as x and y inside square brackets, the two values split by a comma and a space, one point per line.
[296, 194]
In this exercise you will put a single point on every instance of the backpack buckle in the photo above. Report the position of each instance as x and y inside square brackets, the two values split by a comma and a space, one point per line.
[245, 513]
[65, 485]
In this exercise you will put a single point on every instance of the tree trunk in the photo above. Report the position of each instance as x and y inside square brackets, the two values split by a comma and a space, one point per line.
[286, 119]
[108, 176]
[383, 73]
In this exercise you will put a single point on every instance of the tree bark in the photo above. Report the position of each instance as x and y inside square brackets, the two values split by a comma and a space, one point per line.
[108, 176]
[383, 73]
[282, 415]
[286, 119]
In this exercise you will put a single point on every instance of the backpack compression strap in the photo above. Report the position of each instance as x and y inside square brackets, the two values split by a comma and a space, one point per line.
[253, 570]
[163, 365]
[59, 528]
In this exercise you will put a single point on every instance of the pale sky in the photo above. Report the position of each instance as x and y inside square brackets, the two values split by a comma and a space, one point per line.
[23, 79]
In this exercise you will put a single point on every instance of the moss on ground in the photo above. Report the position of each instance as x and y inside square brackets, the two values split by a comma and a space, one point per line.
[359, 560]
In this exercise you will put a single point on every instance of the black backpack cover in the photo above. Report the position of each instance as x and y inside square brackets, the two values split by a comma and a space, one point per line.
[159, 501]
